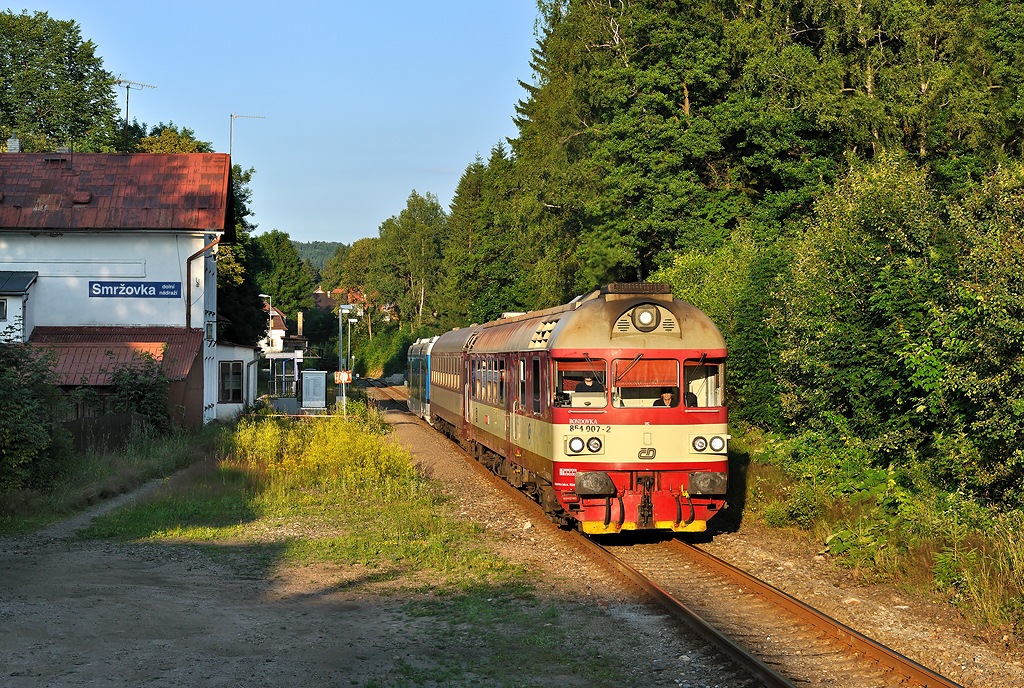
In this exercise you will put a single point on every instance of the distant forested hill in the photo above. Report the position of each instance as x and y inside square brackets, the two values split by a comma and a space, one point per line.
[317, 252]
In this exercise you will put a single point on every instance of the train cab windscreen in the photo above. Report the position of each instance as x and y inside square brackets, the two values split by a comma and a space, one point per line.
[641, 382]
[581, 383]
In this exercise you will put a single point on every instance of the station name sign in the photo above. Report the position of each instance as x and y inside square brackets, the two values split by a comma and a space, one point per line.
[135, 290]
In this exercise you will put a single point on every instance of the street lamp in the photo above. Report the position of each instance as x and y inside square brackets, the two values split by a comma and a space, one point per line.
[343, 311]
[351, 365]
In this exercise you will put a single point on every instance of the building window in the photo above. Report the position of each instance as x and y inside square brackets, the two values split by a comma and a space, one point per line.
[230, 382]
[3, 309]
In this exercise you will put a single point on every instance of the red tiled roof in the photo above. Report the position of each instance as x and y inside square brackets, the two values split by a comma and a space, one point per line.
[106, 191]
[88, 355]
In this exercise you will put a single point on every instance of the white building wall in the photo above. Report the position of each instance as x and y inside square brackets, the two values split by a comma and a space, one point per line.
[68, 263]
[12, 327]
[250, 369]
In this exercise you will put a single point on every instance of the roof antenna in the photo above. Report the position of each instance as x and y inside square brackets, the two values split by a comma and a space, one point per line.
[231, 128]
[128, 86]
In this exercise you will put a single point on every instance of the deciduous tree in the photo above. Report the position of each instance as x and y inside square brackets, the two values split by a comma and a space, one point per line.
[54, 90]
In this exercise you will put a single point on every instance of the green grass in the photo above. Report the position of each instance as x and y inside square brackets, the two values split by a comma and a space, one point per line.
[325, 490]
[99, 474]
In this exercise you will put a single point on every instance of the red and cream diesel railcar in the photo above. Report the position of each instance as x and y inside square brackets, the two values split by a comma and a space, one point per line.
[609, 410]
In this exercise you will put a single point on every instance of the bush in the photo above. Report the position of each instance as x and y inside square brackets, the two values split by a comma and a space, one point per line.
[32, 444]
[143, 388]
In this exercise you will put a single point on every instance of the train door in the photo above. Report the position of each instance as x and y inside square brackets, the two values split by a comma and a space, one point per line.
[505, 392]
[517, 394]
[467, 396]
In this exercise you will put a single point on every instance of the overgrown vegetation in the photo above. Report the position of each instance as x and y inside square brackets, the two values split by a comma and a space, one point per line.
[889, 524]
[40, 474]
[33, 446]
[143, 388]
[327, 489]
[100, 473]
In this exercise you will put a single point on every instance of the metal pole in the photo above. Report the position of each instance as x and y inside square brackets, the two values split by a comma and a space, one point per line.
[341, 350]
[342, 314]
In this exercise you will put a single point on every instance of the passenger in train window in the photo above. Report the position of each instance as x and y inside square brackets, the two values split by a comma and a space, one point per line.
[667, 397]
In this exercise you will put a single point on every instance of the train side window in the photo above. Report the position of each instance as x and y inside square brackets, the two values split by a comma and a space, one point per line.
[476, 379]
[536, 386]
[501, 382]
[522, 382]
[704, 382]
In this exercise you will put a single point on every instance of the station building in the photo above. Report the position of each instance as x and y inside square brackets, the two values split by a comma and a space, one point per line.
[106, 259]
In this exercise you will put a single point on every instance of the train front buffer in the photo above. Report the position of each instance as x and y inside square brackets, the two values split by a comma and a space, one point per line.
[677, 486]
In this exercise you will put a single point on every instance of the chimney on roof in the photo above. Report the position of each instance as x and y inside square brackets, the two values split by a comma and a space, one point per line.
[13, 144]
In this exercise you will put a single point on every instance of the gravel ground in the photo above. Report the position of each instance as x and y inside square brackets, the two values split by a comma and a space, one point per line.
[75, 613]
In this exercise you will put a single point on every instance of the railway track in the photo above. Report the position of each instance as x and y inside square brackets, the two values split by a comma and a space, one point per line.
[775, 639]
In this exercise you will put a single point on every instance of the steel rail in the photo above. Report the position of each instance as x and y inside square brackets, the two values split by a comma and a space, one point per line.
[885, 657]
[737, 653]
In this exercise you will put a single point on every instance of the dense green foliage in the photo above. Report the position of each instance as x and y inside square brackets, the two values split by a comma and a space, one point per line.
[836, 184]
[32, 444]
[899, 319]
[54, 90]
[240, 308]
[283, 275]
[317, 253]
[142, 388]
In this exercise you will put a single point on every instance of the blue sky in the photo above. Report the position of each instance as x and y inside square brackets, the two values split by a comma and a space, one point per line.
[361, 102]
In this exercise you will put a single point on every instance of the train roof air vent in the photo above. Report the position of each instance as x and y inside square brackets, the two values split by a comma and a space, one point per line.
[543, 334]
[636, 288]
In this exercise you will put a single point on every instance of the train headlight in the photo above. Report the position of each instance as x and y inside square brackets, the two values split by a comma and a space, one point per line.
[700, 443]
[575, 445]
[594, 444]
[646, 317]
[717, 443]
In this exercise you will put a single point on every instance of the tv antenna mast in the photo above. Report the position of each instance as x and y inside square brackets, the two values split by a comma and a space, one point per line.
[231, 128]
[128, 86]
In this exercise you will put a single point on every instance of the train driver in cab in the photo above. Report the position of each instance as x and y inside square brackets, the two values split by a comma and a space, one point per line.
[667, 397]
[589, 384]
